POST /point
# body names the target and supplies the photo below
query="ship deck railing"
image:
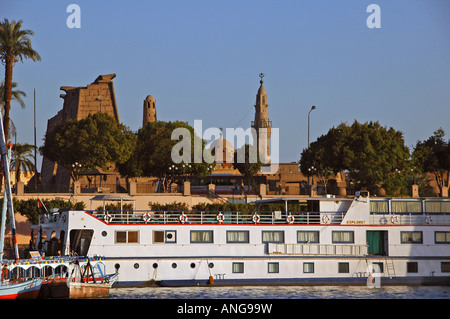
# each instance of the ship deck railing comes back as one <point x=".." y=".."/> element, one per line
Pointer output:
<point x="249" y="217"/>
<point x="216" y="217"/>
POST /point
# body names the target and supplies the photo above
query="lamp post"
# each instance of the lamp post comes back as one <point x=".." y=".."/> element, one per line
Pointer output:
<point x="312" y="108"/>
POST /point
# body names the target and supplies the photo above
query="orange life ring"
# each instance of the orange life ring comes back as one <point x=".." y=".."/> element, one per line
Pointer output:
<point x="220" y="218"/>
<point x="290" y="219"/>
<point x="183" y="218"/>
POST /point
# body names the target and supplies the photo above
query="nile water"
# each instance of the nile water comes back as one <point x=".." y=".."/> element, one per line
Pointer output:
<point x="284" y="292"/>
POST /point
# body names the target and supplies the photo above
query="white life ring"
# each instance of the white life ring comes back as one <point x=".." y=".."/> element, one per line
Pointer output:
<point x="256" y="219"/>
<point x="428" y="219"/>
<point x="290" y="219"/>
<point x="147" y="217"/>
<point x="107" y="218"/>
<point x="394" y="219"/>
<point x="326" y="219"/>
<point x="220" y="218"/>
<point x="183" y="218"/>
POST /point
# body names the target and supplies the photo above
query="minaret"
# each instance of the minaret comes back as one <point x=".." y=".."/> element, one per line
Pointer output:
<point x="149" y="111"/>
<point x="262" y="125"/>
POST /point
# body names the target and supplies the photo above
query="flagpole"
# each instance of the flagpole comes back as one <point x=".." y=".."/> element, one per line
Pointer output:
<point x="35" y="156"/>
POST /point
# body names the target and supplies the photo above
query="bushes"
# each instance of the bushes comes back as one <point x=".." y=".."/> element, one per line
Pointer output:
<point x="29" y="208"/>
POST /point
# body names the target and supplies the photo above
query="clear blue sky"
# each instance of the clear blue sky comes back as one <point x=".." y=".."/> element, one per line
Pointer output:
<point x="201" y="60"/>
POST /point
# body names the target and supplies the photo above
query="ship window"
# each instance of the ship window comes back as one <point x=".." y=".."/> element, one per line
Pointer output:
<point x="273" y="268"/>
<point x="442" y="237"/>
<point x="304" y="237"/>
<point x="237" y="236"/>
<point x="308" y="268"/>
<point x="167" y="236"/>
<point x="238" y="268"/>
<point x="127" y="237"/>
<point x="341" y="237"/>
<point x="379" y="207"/>
<point x="412" y="267"/>
<point x="273" y="236"/>
<point x="445" y="266"/>
<point x="411" y="237"/>
<point x="80" y="240"/>
<point x="343" y="268"/>
<point x="437" y="207"/>
<point x="199" y="236"/>
<point x="406" y="207"/>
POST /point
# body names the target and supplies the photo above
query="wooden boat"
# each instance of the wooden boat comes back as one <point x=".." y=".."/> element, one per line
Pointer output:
<point x="20" y="290"/>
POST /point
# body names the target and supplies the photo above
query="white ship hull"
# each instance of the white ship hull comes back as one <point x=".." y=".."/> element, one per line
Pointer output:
<point x="343" y="243"/>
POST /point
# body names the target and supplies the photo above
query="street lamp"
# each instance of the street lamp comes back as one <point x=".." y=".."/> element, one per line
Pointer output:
<point x="312" y="108"/>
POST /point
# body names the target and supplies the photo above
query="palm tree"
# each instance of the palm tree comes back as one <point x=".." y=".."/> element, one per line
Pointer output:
<point x="22" y="159"/>
<point x="15" y="45"/>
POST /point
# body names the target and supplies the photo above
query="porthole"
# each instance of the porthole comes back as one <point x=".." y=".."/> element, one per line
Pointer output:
<point x="104" y="233"/>
<point x="136" y="266"/>
<point x="211" y="265"/>
<point x="174" y="265"/>
<point x="192" y="265"/>
<point x="155" y="265"/>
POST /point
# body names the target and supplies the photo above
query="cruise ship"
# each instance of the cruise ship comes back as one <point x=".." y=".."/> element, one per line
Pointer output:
<point x="348" y="241"/>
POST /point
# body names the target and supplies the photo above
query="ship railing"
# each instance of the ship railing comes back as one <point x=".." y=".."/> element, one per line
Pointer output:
<point x="217" y="217"/>
<point x="410" y="219"/>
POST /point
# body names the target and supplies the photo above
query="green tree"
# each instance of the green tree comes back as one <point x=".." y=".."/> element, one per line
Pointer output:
<point x="15" y="45"/>
<point x="247" y="162"/>
<point x="152" y="156"/>
<point x="433" y="156"/>
<point x="94" y="141"/>
<point x="369" y="152"/>
<point x="22" y="159"/>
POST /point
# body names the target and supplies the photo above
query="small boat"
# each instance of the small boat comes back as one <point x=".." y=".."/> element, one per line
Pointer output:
<point x="20" y="290"/>
<point x="84" y="278"/>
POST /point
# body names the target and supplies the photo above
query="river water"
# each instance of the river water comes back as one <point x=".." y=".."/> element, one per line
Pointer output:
<point x="284" y="292"/>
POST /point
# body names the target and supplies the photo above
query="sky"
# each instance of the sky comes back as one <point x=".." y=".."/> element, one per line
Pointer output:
<point x="200" y="60"/>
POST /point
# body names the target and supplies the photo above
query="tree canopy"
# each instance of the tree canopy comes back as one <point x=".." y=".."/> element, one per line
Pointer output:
<point x="94" y="141"/>
<point x="433" y="155"/>
<point x="15" y="45"/>
<point x="156" y="148"/>
<point x="369" y="152"/>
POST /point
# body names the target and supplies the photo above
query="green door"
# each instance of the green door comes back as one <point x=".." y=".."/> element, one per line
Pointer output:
<point x="376" y="240"/>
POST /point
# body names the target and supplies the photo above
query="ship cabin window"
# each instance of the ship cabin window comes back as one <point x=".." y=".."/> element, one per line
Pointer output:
<point x="164" y="236"/>
<point x="307" y="237"/>
<point x="127" y="237"/>
<point x="343" y="237"/>
<point x="237" y="237"/>
<point x="80" y="240"/>
<point x="343" y="268"/>
<point x="238" y="268"/>
<point x="308" y="268"/>
<point x="442" y="237"/>
<point x="273" y="237"/>
<point x="437" y="207"/>
<point x="411" y="237"/>
<point x="412" y="267"/>
<point x="406" y="207"/>
<point x="445" y="266"/>
<point x="273" y="268"/>
<point x="379" y="207"/>
<point x="201" y="236"/>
